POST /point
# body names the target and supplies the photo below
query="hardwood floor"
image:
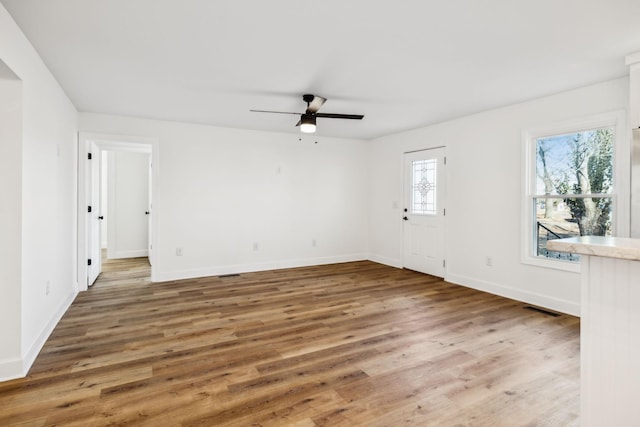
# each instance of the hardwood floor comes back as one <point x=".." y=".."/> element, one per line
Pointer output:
<point x="340" y="345"/>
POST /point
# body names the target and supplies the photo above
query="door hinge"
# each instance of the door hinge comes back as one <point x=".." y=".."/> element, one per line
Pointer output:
<point x="445" y="160"/>
<point x="444" y="212"/>
<point x="89" y="209"/>
<point x="89" y="156"/>
<point x="444" y="263"/>
<point x="89" y="261"/>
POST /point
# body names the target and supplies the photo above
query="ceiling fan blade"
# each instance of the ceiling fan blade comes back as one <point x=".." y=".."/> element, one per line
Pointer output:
<point x="317" y="102"/>
<point x="299" y="123"/>
<point x="340" y="116"/>
<point x="276" y="112"/>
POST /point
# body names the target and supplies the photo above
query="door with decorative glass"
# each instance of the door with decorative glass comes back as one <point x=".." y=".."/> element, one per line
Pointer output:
<point x="424" y="211"/>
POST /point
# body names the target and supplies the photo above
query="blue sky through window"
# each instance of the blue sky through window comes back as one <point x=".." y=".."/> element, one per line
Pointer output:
<point x="558" y="156"/>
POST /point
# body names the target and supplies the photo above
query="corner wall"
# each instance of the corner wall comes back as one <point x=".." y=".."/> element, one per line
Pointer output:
<point x="484" y="188"/>
<point x="46" y="219"/>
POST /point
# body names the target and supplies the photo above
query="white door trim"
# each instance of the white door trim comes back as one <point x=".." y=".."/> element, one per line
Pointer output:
<point x="117" y="143"/>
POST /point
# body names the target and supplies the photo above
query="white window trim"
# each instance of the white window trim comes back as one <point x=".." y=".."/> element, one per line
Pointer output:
<point x="621" y="189"/>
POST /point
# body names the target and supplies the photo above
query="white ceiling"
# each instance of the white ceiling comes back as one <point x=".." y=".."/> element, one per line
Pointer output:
<point x="403" y="64"/>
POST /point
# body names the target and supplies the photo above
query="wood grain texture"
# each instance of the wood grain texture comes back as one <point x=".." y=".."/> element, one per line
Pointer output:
<point x="339" y="345"/>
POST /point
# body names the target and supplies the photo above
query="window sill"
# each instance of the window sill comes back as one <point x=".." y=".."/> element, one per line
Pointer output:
<point x="570" y="266"/>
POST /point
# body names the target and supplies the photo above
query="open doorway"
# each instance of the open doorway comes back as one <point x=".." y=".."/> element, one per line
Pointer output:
<point x="125" y="186"/>
<point x="120" y="221"/>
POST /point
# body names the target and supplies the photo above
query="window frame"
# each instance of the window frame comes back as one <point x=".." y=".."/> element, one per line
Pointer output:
<point x="620" y="193"/>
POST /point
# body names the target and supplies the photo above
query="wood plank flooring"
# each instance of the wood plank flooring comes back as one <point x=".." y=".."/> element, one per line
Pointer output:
<point x="354" y="344"/>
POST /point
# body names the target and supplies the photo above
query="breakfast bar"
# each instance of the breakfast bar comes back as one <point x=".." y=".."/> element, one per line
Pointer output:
<point x="609" y="328"/>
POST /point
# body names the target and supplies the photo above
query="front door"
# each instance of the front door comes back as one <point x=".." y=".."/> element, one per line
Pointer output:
<point x="424" y="211"/>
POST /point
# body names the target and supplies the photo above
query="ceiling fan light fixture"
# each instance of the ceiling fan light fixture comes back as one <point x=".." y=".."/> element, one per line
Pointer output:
<point x="307" y="120"/>
<point x="307" y="123"/>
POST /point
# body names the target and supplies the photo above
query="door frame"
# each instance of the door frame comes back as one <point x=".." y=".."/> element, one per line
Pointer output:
<point x="404" y="198"/>
<point x="115" y="143"/>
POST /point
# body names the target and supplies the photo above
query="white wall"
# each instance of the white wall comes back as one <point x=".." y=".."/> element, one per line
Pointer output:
<point x="220" y="191"/>
<point x="128" y="199"/>
<point x="484" y="179"/>
<point x="10" y="215"/>
<point x="47" y="189"/>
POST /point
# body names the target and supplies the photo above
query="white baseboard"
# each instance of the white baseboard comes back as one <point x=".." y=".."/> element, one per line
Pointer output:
<point x="391" y="262"/>
<point x="563" y="306"/>
<point x="11" y="369"/>
<point x="19" y="368"/>
<point x="247" y="268"/>
<point x="130" y="254"/>
<point x="33" y="352"/>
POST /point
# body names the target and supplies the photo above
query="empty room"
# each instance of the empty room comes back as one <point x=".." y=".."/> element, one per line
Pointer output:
<point x="296" y="213"/>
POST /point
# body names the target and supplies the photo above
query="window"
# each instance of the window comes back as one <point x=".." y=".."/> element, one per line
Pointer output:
<point x="423" y="195"/>
<point x="572" y="187"/>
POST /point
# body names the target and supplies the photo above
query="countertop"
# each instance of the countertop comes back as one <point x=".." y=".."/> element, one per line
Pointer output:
<point x="610" y="247"/>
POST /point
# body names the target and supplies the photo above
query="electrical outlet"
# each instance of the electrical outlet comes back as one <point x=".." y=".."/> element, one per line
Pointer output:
<point x="47" y="288"/>
<point x="178" y="251"/>
<point x="255" y="246"/>
<point x="488" y="261"/>
<point x="313" y="243"/>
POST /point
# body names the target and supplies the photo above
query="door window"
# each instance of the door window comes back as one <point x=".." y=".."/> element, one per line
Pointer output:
<point x="423" y="197"/>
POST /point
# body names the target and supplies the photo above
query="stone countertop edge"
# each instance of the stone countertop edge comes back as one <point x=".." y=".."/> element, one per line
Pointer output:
<point x="610" y="247"/>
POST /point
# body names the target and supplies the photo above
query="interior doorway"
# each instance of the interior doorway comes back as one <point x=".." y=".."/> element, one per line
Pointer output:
<point x="424" y="211"/>
<point x="125" y="204"/>
<point x="127" y="218"/>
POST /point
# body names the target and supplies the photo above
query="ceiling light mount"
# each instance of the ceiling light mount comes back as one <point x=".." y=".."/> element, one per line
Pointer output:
<point x="308" y="98"/>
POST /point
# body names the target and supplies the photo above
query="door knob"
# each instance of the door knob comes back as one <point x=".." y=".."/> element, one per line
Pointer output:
<point x="146" y="212"/>
<point x="405" y="218"/>
<point x="100" y="217"/>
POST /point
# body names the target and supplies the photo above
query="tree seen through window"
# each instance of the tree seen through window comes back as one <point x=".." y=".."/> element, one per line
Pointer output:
<point x="573" y="187"/>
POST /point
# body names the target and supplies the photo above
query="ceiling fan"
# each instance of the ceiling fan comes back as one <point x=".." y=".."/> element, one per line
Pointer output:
<point x="307" y="120"/>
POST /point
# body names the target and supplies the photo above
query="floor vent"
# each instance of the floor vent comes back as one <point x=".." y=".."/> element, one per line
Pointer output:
<point x="224" y="276"/>
<point x="542" y="310"/>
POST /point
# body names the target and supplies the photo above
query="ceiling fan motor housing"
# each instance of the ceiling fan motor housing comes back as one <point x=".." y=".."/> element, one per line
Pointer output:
<point x="307" y="123"/>
<point x="308" y="118"/>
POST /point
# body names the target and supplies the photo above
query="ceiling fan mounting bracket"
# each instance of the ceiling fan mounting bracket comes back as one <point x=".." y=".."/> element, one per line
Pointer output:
<point x="308" y="98"/>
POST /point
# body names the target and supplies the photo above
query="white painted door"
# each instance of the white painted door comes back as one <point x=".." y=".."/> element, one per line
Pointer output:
<point x="94" y="242"/>
<point x="149" y="212"/>
<point x="424" y="211"/>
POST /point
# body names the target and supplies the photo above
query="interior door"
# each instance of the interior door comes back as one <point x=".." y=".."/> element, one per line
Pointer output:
<point x="424" y="211"/>
<point x="149" y="212"/>
<point x="95" y="215"/>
